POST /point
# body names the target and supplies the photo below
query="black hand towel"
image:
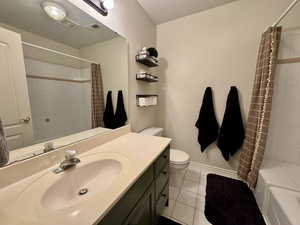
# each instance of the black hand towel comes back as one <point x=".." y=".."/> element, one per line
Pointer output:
<point x="232" y="131"/>
<point x="207" y="123"/>
<point x="120" y="116"/>
<point x="109" y="116"/>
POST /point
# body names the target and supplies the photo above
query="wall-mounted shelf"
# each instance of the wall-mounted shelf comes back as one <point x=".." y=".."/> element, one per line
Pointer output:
<point x="147" y="60"/>
<point x="146" y="100"/>
<point x="147" y="77"/>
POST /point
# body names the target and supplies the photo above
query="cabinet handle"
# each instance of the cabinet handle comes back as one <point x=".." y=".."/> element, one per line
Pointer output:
<point x="165" y="156"/>
<point x="165" y="172"/>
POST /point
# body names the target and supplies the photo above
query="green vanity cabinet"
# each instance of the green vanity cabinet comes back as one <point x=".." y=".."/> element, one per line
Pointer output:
<point x="144" y="202"/>
<point x="144" y="212"/>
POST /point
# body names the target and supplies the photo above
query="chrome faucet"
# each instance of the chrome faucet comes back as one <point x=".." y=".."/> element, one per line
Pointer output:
<point x="69" y="162"/>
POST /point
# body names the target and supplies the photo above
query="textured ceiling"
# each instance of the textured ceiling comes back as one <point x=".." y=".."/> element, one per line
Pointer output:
<point x="162" y="11"/>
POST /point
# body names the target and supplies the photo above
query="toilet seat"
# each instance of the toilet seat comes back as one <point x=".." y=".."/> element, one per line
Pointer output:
<point x="178" y="157"/>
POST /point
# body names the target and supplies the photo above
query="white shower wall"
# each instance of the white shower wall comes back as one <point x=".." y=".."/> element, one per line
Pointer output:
<point x="283" y="140"/>
<point x="66" y="105"/>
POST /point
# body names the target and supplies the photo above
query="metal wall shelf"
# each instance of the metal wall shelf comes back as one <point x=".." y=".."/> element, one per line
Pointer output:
<point x="147" y="60"/>
<point x="146" y="100"/>
<point x="147" y="77"/>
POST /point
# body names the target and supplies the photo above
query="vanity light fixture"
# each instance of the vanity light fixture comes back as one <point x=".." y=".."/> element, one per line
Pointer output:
<point x="54" y="10"/>
<point x="102" y="6"/>
<point x="108" y="4"/>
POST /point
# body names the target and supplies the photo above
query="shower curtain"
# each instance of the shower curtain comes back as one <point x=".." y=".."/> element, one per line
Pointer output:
<point x="97" y="96"/>
<point x="4" y="153"/>
<point x="260" y="108"/>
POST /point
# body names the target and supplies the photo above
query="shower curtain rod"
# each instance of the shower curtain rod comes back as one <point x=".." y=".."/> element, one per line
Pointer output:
<point x="285" y="13"/>
<point x="58" y="52"/>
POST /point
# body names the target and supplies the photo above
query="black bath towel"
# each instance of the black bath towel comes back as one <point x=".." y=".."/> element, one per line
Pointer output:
<point x="109" y="116"/>
<point x="232" y="131"/>
<point x="207" y="124"/>
<point x="120" y="116"/>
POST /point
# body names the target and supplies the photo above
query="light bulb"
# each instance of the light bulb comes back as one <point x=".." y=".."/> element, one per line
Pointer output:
<point x="108" y="4"/>
<point x="54" y="10"/>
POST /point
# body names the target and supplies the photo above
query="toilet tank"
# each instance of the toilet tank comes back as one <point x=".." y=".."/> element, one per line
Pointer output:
<point x="153" y="131"/>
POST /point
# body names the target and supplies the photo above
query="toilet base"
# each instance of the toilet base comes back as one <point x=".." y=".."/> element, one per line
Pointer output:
<point x="179" y="166"/>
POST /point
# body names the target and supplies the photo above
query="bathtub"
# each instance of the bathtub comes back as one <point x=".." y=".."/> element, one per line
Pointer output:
<point x="284" y="208"/>
<point x="278" y="193"/>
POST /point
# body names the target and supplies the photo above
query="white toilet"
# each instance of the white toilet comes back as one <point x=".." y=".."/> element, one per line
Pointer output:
<point x="178" y="159"/>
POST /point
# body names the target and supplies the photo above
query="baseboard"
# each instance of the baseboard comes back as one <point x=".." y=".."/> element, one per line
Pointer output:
<point x="218" y="170"/>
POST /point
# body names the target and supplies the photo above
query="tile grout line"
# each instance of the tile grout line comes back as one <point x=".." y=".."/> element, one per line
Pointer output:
<point x="175" y="202"/>
<point x="194" y="208"/>
<point x="201" y="184"/>
<point x="195" y="211"/>
<point x="179" y="190"/>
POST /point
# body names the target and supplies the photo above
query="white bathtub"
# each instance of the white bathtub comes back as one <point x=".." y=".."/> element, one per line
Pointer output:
<point x="284" y="207"/>
<point x="277" y="190"/>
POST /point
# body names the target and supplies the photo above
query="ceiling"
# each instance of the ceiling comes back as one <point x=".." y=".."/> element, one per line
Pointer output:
<point x="162" y="11"/>
<point x="29" y="16"/>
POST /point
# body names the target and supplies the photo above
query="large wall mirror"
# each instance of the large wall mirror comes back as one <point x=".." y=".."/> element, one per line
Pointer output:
<point x="57" y="67"/>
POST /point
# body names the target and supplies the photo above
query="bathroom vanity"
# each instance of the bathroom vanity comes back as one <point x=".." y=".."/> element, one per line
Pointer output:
<point x="146" y="199"/>
<point x="122" y="178"/>
<point x="65" y="168"/>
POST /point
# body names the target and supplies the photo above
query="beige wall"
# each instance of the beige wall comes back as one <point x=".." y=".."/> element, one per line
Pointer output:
<point x="216" y="48"/>
<point x="130" y="20"/>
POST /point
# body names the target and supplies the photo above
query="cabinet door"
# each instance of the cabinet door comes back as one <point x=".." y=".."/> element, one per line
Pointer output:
<point x="14" y="100"/>
<point x="143" y="213"/>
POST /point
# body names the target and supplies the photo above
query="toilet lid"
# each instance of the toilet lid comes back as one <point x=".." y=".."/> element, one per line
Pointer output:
<point x="178" y="157"/>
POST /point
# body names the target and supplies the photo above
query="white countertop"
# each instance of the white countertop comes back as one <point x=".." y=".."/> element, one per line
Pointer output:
<point x="139" y="150"/>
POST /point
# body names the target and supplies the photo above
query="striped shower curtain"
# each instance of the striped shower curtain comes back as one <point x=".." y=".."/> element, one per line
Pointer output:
<point x="4" y="153"/>
<point x="97" y="96"/>
<point x="260" y="108"/>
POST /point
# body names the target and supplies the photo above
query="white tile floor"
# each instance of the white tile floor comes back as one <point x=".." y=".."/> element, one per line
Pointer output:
<point x="187" y="193"/>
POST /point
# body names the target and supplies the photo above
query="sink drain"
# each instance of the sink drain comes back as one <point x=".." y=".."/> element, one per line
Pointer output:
<point x="83" y="191"/>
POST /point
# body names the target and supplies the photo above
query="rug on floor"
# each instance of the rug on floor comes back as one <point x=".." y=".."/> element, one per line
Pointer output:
<point x="166" y="221"/>
<point x="230" y="202"/>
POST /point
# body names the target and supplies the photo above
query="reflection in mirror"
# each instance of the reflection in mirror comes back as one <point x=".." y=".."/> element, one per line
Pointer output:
<point x="55" y="75"/>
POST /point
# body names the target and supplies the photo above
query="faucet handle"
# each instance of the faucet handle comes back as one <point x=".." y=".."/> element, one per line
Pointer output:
<point x="70" y="154"/>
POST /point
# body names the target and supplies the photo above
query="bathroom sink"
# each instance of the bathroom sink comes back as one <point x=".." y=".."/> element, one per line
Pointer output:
<point x="96" y="174"/>
<point x="79" y="183"/>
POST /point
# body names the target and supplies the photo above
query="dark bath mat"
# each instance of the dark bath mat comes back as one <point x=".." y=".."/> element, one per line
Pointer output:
<point x="166" y="221"/>
<point x="230" y="202"/>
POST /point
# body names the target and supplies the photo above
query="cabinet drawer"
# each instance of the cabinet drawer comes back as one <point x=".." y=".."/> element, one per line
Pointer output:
<point x="161" y="202"/>
<point x="161" y="180"/>
<point x="124" y="207"/>
<point x="162" y="160"/>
